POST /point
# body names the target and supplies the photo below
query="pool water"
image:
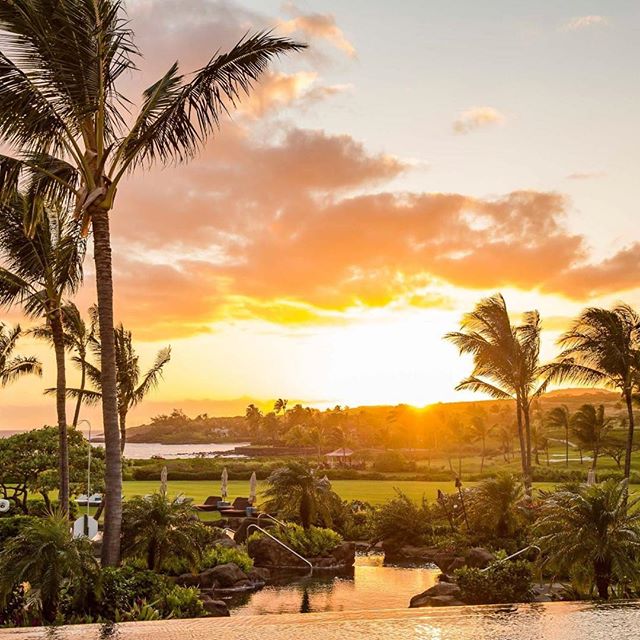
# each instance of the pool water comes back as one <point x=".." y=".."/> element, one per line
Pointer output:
<point x="369" y="586"/>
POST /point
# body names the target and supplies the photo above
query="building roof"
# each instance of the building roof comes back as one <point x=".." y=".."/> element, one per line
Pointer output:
<point x="339" y="453"/>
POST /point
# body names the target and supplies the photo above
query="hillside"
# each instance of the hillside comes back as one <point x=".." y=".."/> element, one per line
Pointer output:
<point x="178" y="428"/>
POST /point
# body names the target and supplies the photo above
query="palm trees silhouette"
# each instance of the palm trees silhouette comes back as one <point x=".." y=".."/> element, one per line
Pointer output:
<point x="39" y="269"/>
<point x="560" y="418"/>
<point x="590" y="427"/>
<point x="13" y="367"/>
<point x="62" y="113"/>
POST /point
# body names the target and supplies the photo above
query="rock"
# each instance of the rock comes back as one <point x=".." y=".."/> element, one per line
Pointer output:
<point x="442" y="601"/>
<point x="479" y="558"/>
<point x="259" y="575"/>
<point x="224" y="575"/>
<point x="268" y="553"/>
<point x="444" y="559"/>
<point x="241" y="532"/>
<point x="188" y="580"/>
<point x="408" y="553"/>
<point x="442" y="589"/>
<point x="344" y="555"/>
<point x="215" y="608"/>
<point x="226" y="542"/>
<point x="457" y="563"/>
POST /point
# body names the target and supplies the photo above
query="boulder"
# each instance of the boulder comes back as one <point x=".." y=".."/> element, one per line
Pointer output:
<point x="408" y="553"/>
<point x="429" y="597"/>
<point x="215" y="608"/>
<point x="344" y="555"/>
<point x="442" y="601"/>
<point x="457" y="563"/>
<point x="479" y="558"/>
<point x="259" y="575"/>
<point x="224" y="575"/>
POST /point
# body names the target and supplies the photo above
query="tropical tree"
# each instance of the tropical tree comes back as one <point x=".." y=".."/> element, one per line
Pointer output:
<point x="280" y="405"/>
<point x="295" y="489"/>
<point x="590" y="427"/>
<point x="494" y="505"/>
<point x="480" y="430"/>
<point x="601" y="348"/>
<point x="131" y="386"/>
<point x="78" y="336"/>
<point x="45" y="555"/>
<point x="591" y="532"/>
<point x="540" y="440"/>
<point x="560" y="418"/>
<point x="13" y="367"/>
<point x="62" y="113"/>
<point x="40" y="268"/>
<point x="158" y="528"/>
<point x="505" y="362"/>
<point x="254" y="417"/>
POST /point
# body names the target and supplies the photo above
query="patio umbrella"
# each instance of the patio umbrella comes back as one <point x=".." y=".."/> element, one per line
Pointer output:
<point x="223" y="485"/>
<point x="253" y="488"/>
<point x="591" y="477"/>
<point x="163" y="480"/>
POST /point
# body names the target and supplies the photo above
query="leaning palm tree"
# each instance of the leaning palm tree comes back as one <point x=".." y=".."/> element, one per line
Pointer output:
<point x="602" y="348"/>
<point x="131" y="385"/>
<point x="39" y="270"/>
<point x="560" y="418"/>
<point x="591" y="529"/>
<point x="590" y="427"/>
<point x="73" y="138"/>
<point x="505" y="362"/>
<point x="13" y="367"/>
<point x="295" y="489"/>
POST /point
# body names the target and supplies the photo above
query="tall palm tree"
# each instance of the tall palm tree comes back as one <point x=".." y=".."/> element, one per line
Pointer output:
<point x="12" y="366"/>
<point x="505" y="362"/>
<point x="591" y="528"/>
<point x="590" y="427"/>
<point x="62" y="112"/>
<point x="296" y="489"/>
<point x="131" y="386"/>
<point x="39" y="270"/>
<point x="560" y="418"/>
<point x="78" y="335"/>
<point x="601" y="348"/>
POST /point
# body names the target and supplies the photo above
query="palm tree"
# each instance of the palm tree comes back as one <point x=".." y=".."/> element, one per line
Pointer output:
<point x="157" y="528"/>
<point x="296" y="489"/>
<point x="494" y="503"/>
<point x="480" y="430"/>
<point x="39" y="270"/>
<point x="280" y="405"/>
<point x="62" y="112"/>
<point x="601" y="348"/>
<point x="78" y="336"/>
<point x="505" y="362"/>
<point x="131" y="386"/>
<point x="591" y="528"/>
<point x="46" y="555"/>
<point x="590" y="427"/>
<point x="560" y="418"/>
<point x="14" y="367"/>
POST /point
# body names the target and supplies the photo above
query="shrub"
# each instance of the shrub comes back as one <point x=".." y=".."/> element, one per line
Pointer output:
<point x="39" y="508"/>
<point x="390" y="461"/>
<point x="212" y="557"/>
<point x="310" y="543"/>
<point x="11" y="526"/>
<point x="353" y="520"/>
<point x="401" y="521"/>
<point x="501" y="583"/>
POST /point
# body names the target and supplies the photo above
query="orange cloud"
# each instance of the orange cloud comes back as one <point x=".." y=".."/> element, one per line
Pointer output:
<point x="316" y="25"/>
<point x="477" y="118"/>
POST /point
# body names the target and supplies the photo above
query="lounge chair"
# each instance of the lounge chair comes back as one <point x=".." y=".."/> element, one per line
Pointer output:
<point x="210" y="504"/>
<point x="239" y="504"/>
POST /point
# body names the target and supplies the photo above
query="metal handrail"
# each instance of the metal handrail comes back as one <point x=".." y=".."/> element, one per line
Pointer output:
<point x="282" y="544"/>
<point x="268" y="515"/>
<point x="513" y="555"/>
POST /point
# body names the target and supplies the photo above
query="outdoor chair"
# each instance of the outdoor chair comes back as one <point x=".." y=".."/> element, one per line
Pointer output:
<point x="210" y="504"/>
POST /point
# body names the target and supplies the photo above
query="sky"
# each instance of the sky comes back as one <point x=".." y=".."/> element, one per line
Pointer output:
<point x="416" y="158"/>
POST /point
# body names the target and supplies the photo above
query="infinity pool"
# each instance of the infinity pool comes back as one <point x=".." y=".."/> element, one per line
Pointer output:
<point x="555" y="621"/>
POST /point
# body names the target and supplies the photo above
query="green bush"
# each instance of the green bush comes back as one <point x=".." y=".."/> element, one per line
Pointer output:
<point x="10" y="526"/>
<point x="390" y="461"/>
<point x="310" y="543"/>
<point x="212" y="557"/>
<point x="501" y="583"/>
<point x="39" y="509"/>
<point x="401" y="521"/>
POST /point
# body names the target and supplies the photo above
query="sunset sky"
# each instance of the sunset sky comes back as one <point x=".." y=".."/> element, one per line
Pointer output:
<point x="418" y="156"/>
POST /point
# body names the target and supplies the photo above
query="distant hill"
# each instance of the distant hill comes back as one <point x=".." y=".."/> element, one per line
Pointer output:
<point x="178" y="428"/>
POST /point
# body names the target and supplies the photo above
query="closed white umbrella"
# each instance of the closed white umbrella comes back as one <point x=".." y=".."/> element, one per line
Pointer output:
<point x="591" y="477"/>
<point x="223" y="485"/>
<point x="164" y="474"/>
<point x="253" y="489"/>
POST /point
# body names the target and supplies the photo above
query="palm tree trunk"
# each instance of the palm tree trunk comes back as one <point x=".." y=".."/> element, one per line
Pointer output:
<point x="627" y="458"/>
<point x="523" y="451"/>
<point x="57" y="334"/>
<point x="527" y="432"/>
<point x="113" y="458"/>
<point x="83" y="384"/>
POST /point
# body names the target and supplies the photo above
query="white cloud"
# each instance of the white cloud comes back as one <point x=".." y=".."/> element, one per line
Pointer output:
<point x="585" y="22"/>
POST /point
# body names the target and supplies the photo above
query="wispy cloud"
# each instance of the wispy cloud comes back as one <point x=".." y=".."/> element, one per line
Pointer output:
<point x="318" y="25"/>
<point x="586" y="175"/>
<point x="477" y="118"/>
<point x="585" y="22"/>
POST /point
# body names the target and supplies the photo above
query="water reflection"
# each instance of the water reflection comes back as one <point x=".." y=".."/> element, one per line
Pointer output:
<point x="369" y="585"/>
